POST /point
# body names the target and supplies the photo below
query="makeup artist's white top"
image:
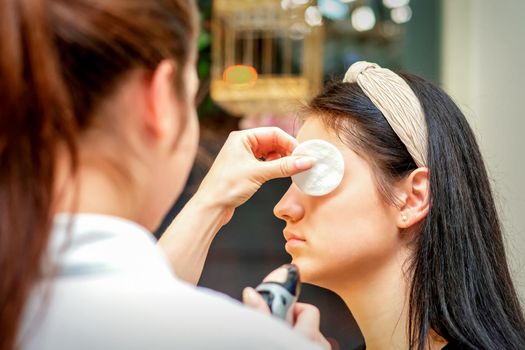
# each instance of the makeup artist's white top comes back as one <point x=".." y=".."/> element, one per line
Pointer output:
<point x="114" y="289"/>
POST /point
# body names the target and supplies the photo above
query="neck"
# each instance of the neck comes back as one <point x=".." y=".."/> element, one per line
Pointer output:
<point x="99" y="186"/>
<point x="379" y="303"/>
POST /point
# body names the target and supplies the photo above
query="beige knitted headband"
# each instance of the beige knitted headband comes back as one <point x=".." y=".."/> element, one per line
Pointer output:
<point x="398" y="103"/>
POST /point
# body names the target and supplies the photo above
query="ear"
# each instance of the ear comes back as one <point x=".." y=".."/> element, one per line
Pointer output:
<point x="414" y="192"/>
<point x="161" y="119"/>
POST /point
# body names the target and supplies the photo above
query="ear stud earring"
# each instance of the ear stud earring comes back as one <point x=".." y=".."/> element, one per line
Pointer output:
<point x="404" y="218"/>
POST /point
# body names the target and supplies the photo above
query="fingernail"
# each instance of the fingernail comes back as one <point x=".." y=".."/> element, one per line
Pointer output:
<point x="249" y="297"/>
<point x="304" y="162"/>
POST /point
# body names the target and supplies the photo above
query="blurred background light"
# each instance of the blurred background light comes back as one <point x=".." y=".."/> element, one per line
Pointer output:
<point x="300" y="2"/>
<point x="401" y="15"/>
<point x="333" y="9"/>
<point x="363" y="18"/>
<point x="285" y="4"/>
<point x="290" y="4"/>
<point x="313" y="16"/>
<point x="395" y="3"/>
<point x="298" y="31"/>
<point x="240" y="75"/>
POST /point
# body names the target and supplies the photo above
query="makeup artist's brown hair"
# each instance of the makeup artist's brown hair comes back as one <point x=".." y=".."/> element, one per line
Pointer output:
<point x="58" y="60"/>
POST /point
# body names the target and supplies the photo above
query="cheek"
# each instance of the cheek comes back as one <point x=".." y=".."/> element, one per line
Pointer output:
<point x="190" y="139"/>
<point x="350" y="233"/>
<point x="170" y="182"/>
<point x="170" y="169"/>
<point x="184" y="154"/>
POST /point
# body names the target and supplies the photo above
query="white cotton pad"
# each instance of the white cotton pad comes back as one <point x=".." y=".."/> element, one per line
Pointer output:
<point x="326" y="174"/>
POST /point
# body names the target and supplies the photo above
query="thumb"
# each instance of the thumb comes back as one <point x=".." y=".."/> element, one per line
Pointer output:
<point x="286" y="166"/>
<point x="254" y="300"/>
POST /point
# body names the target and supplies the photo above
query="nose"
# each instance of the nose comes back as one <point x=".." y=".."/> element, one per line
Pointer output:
<point x="290" y="207"/>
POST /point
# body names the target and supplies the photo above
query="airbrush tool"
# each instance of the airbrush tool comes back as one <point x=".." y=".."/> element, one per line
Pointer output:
<point x="280" y="290"/>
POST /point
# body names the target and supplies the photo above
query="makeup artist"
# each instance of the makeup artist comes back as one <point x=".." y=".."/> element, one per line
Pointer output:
<point x="98" y="133"/>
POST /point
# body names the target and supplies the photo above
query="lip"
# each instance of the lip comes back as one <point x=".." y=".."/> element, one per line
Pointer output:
<point x="289" y="236"/>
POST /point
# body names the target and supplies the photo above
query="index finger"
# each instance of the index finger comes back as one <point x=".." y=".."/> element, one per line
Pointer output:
<point x="267" y="140"/>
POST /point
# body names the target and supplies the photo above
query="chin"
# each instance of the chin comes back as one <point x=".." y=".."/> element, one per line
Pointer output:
<point x="318" y="274"/>
<point x="309" y="274"/>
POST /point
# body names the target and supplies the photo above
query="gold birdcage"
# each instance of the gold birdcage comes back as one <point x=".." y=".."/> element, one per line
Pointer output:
<point x="266" y="54"/>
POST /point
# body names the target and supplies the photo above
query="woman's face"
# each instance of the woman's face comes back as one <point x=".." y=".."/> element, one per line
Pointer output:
<point x="343" y="235"/>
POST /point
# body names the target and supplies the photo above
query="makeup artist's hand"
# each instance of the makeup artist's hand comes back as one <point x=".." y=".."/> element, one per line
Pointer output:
<point x="306" y="317"/>
<point x="237" y="173"/>
<point x="248" y="159"/>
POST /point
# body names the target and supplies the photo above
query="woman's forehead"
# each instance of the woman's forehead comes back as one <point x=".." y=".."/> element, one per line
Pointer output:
<point x="314" y="128"/>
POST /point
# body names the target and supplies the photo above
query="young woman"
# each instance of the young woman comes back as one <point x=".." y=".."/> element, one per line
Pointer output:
<point x="97" y="136"/>
<point x="410" y="240"/>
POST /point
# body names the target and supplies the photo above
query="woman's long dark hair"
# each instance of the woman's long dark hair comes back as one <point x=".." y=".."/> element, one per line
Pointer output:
<point x="58" y="60"/>
<point x="461" y="287"/>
